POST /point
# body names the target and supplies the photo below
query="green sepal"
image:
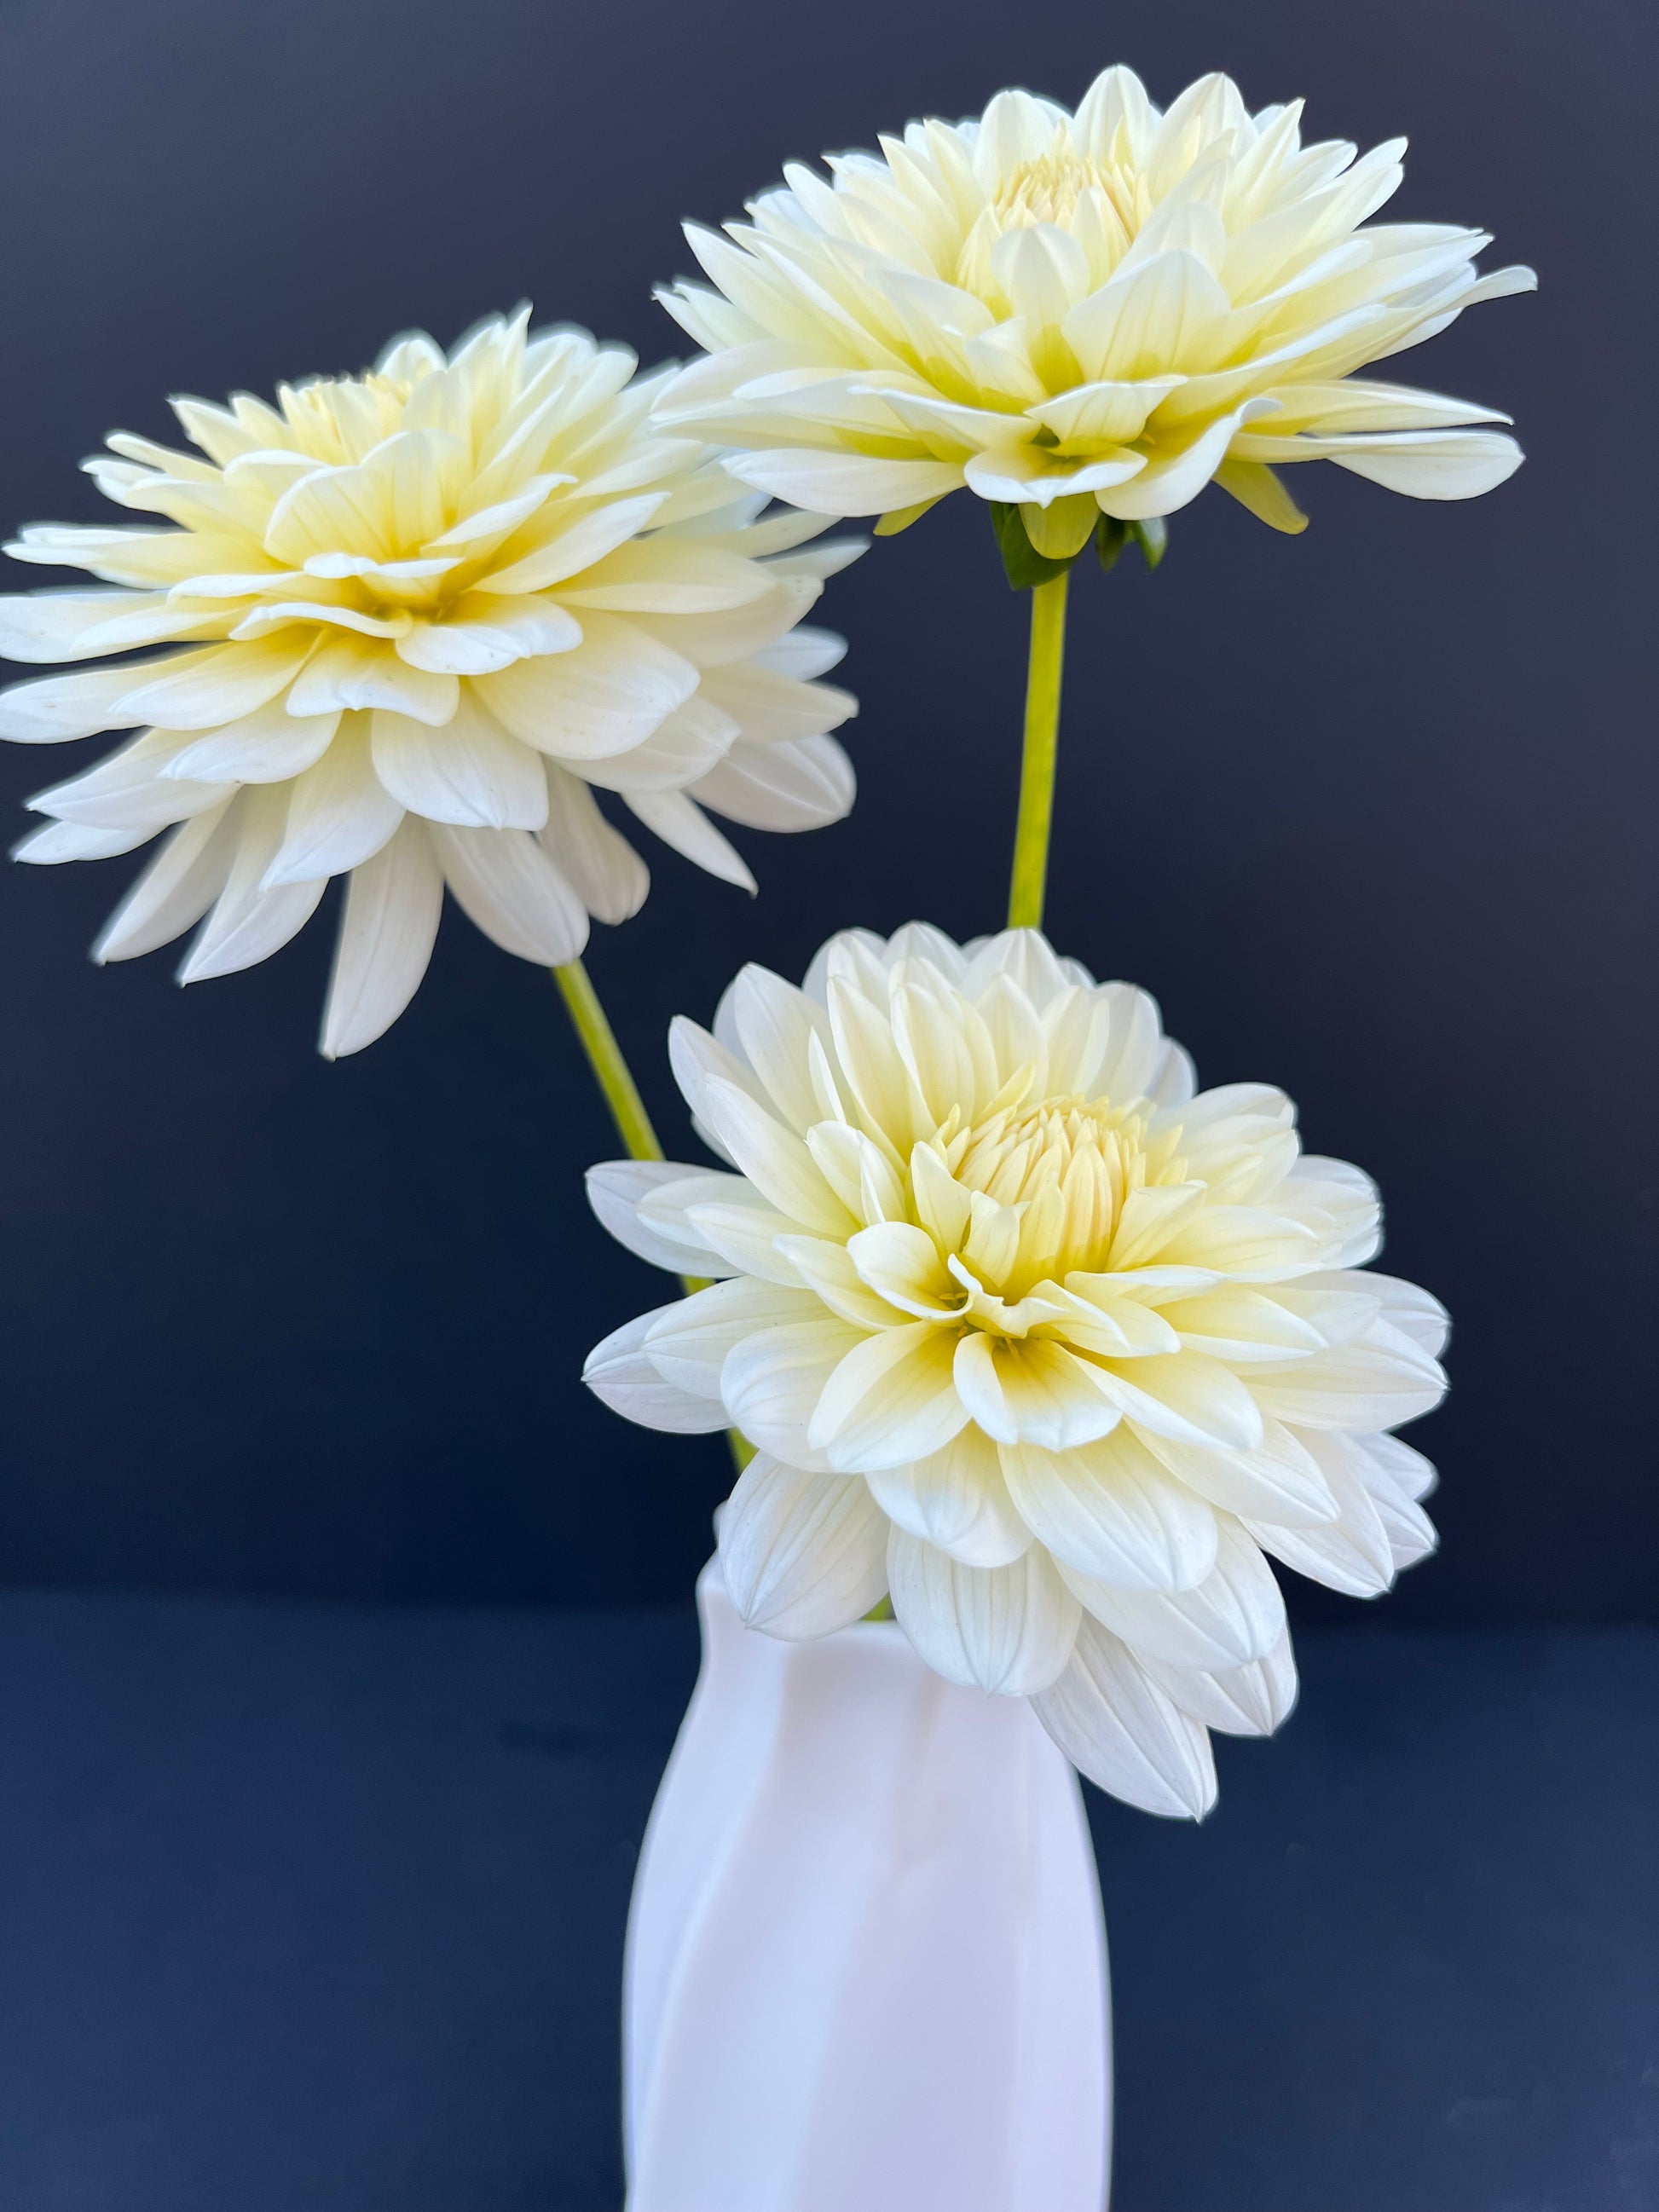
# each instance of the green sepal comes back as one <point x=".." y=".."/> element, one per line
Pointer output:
<point x="1026" y="567"/>
<point x="1153" y="537"/>
<point x="1111" y="536"/>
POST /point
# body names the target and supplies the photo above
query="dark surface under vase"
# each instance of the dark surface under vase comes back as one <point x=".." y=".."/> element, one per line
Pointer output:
<point x="306" y="1908"/>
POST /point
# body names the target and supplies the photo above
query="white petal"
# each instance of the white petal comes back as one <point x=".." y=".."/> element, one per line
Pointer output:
<point x="803" y="652"/>
<point x="363" y="673"/>
<point x="1103" y="413"/>
<point x="1032" y="1392"/>
<point x="801" y="784"/>
<point x="65" y="625"/>
<point x="1394" y="1465"/>
<point x="690" y="1343"/>
<point x="768" y="706"/>
<point x="686" y="742"/>
<point x="1029" y="475"/>
<point x="679" y="822"/>
<point x="722" y="1214"/>
<point x="1010" y="1630"/>
<point x="1414" y="1312"/>
<point x="773" y="1157"/>
<point x="1248" y="1700"/>
<point x="507" y="887"/>
<point x="717" y="640"/>
<point x="176" y="890"/>
<point x="956" y="1499"/>
<point x="1429" y="464"/>
<point x="1352" y="1554"/>
<point x="1356" y="404"/>
<point x="1396" y="1477"/>
<point x="1172" y="479"/>
<point x="387" y="930"/>
<point x="339" y="812"/>
<point x="697" y="1059"/>
<point x="249" y="922"/>
<point x="801" y="1554"/>
<point x="772" y="1383"/>
<point x="615" y="1188"/>
<point x="588" y="539"/>
<point x="1412" y="1535"/>
<point x="1109" y="1509"/>
<point x="668" y="575"/>
<point x="1235" y="1615"/>
<point x="471" y="772"/>
<point x="891" y="1400"/>
<point x="1278" y="1479"/>
<point x="131" y="789"/>
<point x="1023" y="955"/>
<point x="501" y="518"/>
<point x="484" y="633"/>
<point x="845" y="483"/>
<point x="604" y="871"/>
<point x="606" y="696"/>
<point x="54" y="842"/>
<point x="618" y="1371"/>
<point x="1191" y="1398"/>
<point x="819" y="562"/>
<point x="772" y="1026"/>
<point x="1160" y="317"/>
<point x="270" y="745"/>
<point x="1127" y="1734"/>
<point x="746" y="1234"/>
<point x="59" y="708"/>
<point x="1375" y="1382"/>
<point x="203" y="691"/>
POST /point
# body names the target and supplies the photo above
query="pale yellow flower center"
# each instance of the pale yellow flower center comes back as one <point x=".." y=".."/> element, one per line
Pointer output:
<point x="1048" y="189"/>
<point x="1013" y="1155"/>
<point x="1100" y="203"/>
<point x="1063" y="1170"/>
<point x="336" y="419"/>
<point x="340" y="421"/>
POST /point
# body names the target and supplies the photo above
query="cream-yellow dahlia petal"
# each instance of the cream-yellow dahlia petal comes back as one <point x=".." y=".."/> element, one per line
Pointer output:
<point x="1082" y="313"/>
<point x="416" y="619"/>
<point x="1031" y="1333"/>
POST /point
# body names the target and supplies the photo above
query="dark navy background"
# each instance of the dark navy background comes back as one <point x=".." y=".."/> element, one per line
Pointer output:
<point x="319" y="1909"/>
<point x="320" y="1905"/>
<point x="1371" y="811"/>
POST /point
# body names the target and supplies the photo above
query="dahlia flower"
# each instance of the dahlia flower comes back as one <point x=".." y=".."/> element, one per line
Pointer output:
<point x="1082" y="315"/>
<point x="1031" y="1337"/>
<point x="424" y="614"/>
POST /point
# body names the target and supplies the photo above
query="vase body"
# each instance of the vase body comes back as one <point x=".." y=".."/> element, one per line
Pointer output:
<point x="865" y="1964"/>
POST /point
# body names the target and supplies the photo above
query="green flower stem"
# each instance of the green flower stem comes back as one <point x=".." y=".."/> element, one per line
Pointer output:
<point x="605" y="1056"/>
<point x="621" y="1095"/>
<point x="1037" y="774"/>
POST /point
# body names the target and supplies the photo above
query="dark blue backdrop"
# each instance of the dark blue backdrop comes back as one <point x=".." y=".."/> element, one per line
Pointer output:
<point x="1371" y="811"/>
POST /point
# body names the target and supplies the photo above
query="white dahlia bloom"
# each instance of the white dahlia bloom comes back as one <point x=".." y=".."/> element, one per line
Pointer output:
<point x="425" y="613"/>
<point x="1031" y="1338"/>
<point x="1085" y="314"/>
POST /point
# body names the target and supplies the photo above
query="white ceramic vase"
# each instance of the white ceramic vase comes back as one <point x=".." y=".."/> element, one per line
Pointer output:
<point x="866" y="1964"/>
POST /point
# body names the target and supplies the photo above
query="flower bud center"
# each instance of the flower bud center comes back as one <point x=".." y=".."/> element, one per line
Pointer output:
<point x="1013" y="1155"/>
<point x="1065" y="1169"/>
<point x="1046" y="191"/>
<point x="1053" y="185"/>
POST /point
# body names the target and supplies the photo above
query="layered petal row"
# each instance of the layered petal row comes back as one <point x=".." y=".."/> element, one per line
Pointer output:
<point x="1032" y="1335"/>
<point x="414" y="621"/>
<point x="1084" y="313"/>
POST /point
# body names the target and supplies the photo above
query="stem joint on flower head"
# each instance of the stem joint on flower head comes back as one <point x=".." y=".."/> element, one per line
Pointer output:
<point x="1028" y="562"/>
